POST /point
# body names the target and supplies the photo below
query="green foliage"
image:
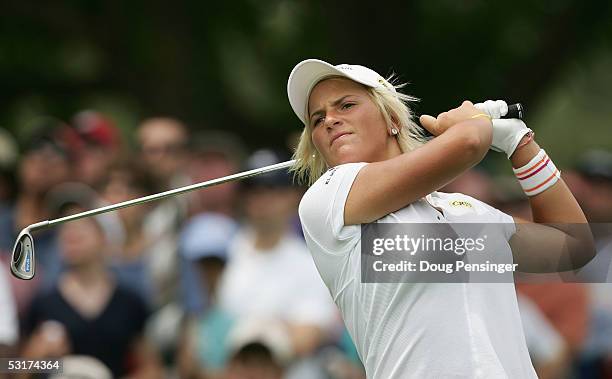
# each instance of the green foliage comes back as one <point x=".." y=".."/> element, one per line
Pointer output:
<point x="225" y="64"/>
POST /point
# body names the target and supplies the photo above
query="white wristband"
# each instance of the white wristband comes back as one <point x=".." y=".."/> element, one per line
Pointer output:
<point x="538" y="175"/>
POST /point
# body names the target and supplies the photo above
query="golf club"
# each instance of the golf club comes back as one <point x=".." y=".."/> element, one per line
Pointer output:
<point x="23" y="263"/>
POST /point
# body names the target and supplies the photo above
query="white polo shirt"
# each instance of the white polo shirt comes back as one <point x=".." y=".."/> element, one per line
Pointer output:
<point x="415" y="330"/>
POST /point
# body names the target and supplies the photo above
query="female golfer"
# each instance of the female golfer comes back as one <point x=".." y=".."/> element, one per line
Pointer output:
<point x="366" y="161"/>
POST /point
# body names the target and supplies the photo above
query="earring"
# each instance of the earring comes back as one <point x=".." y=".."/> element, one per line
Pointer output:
<point x="394" y="131"/>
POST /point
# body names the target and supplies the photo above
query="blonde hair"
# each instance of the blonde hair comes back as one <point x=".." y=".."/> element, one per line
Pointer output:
<point x="393" y="106"/>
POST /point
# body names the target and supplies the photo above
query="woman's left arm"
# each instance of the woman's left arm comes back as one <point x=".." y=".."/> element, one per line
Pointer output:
<point x="559" y="238"/>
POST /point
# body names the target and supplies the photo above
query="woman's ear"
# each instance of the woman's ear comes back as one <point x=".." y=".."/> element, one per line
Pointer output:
<point x="394" y="127"/>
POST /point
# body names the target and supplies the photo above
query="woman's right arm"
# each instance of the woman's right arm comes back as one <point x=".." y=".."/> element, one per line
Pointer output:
<point x="383" y="187"/>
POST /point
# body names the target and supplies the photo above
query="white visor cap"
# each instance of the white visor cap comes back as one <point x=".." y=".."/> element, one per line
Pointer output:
<point x="306" y="74"/>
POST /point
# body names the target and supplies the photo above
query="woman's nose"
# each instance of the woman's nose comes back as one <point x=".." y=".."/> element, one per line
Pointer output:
<point x="331" y="121"/>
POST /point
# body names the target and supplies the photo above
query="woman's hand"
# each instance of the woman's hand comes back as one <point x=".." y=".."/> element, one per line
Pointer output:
<point x="445" y="120"/>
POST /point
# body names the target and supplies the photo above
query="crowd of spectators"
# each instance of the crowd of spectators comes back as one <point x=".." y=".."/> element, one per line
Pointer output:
<point x="218" y="283"/>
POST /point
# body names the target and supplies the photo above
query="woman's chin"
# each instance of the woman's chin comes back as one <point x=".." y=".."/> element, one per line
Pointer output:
<point x="348" y="154"/>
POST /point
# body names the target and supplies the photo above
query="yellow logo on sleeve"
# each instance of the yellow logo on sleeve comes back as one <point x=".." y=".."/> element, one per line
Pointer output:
<point x="460" y="203"/>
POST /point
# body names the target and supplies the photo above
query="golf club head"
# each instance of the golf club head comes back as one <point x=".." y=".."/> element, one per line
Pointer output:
<point x="22" y="261"/>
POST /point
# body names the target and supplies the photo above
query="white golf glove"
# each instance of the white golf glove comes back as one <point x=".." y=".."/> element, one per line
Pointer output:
<point x="507" y="132"/>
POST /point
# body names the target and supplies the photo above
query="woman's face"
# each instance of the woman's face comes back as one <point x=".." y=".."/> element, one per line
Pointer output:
<point x="81" y="242"/>
<point x="346" y="125"/>
<point x="42" y="169"/>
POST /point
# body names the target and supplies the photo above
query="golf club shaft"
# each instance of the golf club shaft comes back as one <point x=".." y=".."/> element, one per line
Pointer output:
<point x="162" y="195"/>
<point x="514" y="110"/>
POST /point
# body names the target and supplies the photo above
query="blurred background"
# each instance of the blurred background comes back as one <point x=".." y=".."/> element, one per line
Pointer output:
<point x="104" y="101"/>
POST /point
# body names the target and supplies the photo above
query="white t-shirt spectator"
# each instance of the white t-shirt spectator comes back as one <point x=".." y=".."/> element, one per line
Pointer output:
<point x="8" y="312"/>
<point x="281" y="283"/>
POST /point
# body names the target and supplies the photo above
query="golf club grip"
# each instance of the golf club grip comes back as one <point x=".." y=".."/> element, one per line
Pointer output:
<point x="514" y="111"/>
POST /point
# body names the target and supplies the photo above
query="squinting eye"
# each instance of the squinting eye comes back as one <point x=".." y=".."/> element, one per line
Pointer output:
<point x="347" y="105"/>
<point x="317" y="121"/>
